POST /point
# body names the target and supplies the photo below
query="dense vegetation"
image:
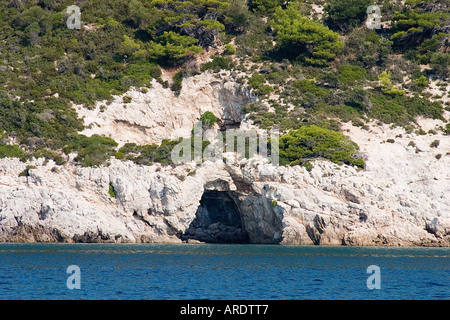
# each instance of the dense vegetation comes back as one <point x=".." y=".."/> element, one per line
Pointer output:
<point x="312" y="142"/>
<point x="312" y="70"/>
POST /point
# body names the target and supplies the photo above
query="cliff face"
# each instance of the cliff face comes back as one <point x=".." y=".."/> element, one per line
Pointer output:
<point x="401" y="198"/>
<point x="329" y="205"/>
<point x="160" y="114"/>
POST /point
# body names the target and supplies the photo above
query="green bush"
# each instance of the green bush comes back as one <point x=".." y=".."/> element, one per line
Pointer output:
<point x="149" y="154"/>
<point x="435" y="144"/>
<point x="366" y="48"/>
<point x="264" y="90"/>
<point x="208" y="119"/>
<point x="401" y="109"/>
<point x="218" y="63"/>
<point x="156" y="72"/>
<point x="256" y="81"/>
<point x="447" y="129"/>
<point x="111" y="191"/>
<point x="92" y="151"/>
<point x="440" y="63"/>
<point x="387" y="86"/>
<point x="229" y="49"/>
<point x="26" y="172"/>
<point x="305" y="39"/>
<point x="11" y="151"/>
<point x="313" y="142"/>
<point x="350" y="74"/>
<point x="308" y="86"/>
<point x="50" y="155"/>
<point x="264" y="5"/>
<point x="308" y="166"/>
<point x="346" y="14"/>
<point x="237" y="16"/>
<point x="177" y="82"/>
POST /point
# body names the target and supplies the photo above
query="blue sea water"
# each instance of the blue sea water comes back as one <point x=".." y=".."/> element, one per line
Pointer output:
<point x="203" y="271"/>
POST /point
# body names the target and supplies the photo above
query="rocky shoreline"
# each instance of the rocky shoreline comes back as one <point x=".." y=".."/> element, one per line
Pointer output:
<point x="330" y="205"/>
<point x="401" y="198"/>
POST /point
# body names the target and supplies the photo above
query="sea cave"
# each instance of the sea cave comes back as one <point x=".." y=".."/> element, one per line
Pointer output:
<point x="218" y="220"/>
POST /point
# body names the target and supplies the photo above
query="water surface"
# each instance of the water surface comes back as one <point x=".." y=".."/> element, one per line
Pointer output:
<point x="170" y="271"/>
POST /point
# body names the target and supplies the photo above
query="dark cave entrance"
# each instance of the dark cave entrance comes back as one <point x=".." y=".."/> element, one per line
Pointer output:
<point x="217" y="220"/>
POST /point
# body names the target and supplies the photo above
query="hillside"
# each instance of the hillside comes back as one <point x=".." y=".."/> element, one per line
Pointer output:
<point x="85" y="108"/>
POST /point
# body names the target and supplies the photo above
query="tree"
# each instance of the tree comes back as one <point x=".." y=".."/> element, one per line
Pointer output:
<point x="419" y="21"/>
<point x="387" y="86"/>
<point x="237" y="15"/>
<point x="302" y="38"/>
<point x="200" y="19"/>
<point x="173" y="49"/>
<point x="265" y="5"/>
<point x="32" y="32"/>
<point x="367" y="48"/>
<point x="344" y="15"/>
<point x="440" y="63"/>
<point x="137" y="13"/>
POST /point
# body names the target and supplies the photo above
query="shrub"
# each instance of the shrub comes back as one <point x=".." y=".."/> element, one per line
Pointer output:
<point x="219" y="63"/>
<point x="26" y="172"/>
<point x="440" y="63"/>
<point x="156" y="72"/>
<point x="264" y="5"/>
<point x="149" y="154"/>
<point x="50" y="155"/>
<point x="308" y="86"/>
<point x="349" y="74"/>
<point x="111" y="191"/>
<point x="11" y="151"/>
<point x="312" y="142"/>
<point x="308" y="166"/>
<point x="264" y="90"/>
<point x="177" y="82"/>
<point x="237" y="15"/>
<point x="229" y="49"/>
<point x="422" y="81"/>
<point x="435" y="144"/>
<point x="256" y="81"/>
<point x="208" y="119"/>
<point x="92" y="151"/>
<point x="447" y="129"/>
<point x="346" y="14"/>
<point x="387" y="86"/>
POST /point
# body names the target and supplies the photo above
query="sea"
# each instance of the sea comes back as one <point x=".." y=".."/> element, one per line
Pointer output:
<point x="221" y="272"/>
